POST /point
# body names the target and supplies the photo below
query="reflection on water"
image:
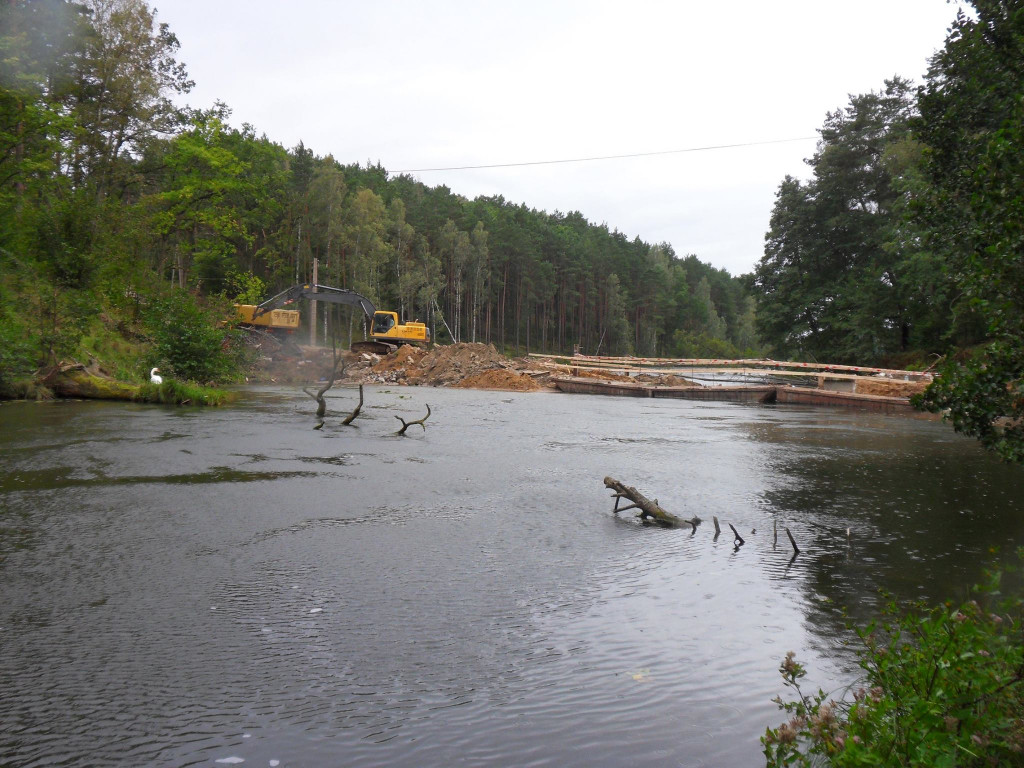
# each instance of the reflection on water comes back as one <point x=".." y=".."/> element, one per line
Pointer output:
<point x="185" y="586"/>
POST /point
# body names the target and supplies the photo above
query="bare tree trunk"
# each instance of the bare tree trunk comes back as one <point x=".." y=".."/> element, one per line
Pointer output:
<point x="321" y="407"/>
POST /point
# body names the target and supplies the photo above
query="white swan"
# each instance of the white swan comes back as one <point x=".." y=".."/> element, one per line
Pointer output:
<point x="154" y="378"/>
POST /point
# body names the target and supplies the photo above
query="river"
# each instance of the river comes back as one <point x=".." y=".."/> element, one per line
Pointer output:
<point x="185" y="586"/>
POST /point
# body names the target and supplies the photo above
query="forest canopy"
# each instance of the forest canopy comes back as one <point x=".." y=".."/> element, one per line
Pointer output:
<point x="112" y="196"/>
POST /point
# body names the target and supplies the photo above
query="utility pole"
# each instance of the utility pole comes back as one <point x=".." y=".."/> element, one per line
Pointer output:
<point x="312" y="317"/>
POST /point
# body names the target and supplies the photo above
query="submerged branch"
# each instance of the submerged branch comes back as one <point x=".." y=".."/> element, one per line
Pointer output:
<point x="406" y="425"/>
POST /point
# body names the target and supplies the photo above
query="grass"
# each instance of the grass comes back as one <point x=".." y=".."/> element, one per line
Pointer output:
<point x="182" y="393"/>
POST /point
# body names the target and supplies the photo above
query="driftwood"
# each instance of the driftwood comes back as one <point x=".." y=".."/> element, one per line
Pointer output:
<point x="407" y="424"/>
<point x="739" y="542"/>
<point x="796" y="549"/>
<point x="652" y="510"/>
<point x="352" y="416"/>
<point x="649" y="510"/>
<point x="76" y="380"/>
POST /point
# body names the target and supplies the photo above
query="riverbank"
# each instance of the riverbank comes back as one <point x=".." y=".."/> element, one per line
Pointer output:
<point x="469" y="365"/>
<point x="481" y="366"/>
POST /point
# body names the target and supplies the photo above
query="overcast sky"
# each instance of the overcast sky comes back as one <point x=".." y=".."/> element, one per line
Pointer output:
<point x="430" y="84"/>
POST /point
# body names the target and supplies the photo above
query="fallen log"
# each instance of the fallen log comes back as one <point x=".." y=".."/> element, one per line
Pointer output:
<point x="74" y="380"/>
<point x="649" y="510"/>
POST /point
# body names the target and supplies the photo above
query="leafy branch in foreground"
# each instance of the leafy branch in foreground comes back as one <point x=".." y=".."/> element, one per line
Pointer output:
<point x="942" y="687"/>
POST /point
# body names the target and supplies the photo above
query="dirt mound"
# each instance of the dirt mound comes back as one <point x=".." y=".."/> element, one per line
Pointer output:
<point x="500" y="379"/>
<point x="889" y="387"/>
<point x="404" y="358"/>
<point x="666" y="380"/>
<point x="465" y="365"/>
<point x="590" y="373"/>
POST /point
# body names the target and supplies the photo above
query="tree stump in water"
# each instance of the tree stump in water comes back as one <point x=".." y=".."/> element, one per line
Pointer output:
<point x="649" y="510"/>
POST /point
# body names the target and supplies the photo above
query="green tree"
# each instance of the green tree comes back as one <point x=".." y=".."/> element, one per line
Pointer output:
<point x="972" y="207"/>
<point x="829" y="283"/>
<point x="123" y="96"/>
<point x="194" y="208"/>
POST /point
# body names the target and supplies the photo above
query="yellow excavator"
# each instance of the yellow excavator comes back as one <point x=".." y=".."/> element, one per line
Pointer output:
<point x="386" y="333"/>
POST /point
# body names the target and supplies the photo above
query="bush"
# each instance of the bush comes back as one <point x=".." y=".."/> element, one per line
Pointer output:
<point x="16" y="351"/>
<point x="942" y="687"/>
<point x="191" y="342"/>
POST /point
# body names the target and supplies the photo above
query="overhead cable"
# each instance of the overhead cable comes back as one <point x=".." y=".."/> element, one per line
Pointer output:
<point x="606" y="157"/>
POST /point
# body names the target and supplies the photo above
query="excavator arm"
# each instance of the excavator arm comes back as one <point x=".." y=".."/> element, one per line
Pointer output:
<point x="323" y="293"/>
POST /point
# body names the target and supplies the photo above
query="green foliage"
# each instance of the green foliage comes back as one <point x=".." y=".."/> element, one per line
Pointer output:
<point x="688" y="344"/>
<point x="971" y="205"/>
<point x="190" y="341"/>
<point x="109" y="193"/>
<point x="981" y="394"/>
<point x="843" y="277"/>
<point x="942" y="687"/>
<point x="245" y="288"/>
<point x="16" y="352"/>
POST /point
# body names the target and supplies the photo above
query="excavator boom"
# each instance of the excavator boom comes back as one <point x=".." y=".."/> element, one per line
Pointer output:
<point x="323" y="293"/>
<point x="386" y="333"/>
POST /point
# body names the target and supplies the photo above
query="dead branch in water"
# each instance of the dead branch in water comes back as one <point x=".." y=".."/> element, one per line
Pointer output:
<point x="406" y="425"/>
<point x="796" y="549"/>
<point x="649" y="510"/>
<point x="321" y="403"/>
<point x="738" y="541"/>
<point x="352" y="416"/>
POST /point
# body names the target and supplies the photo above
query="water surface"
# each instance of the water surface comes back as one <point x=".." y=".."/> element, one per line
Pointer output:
<point x="185" y="586"/>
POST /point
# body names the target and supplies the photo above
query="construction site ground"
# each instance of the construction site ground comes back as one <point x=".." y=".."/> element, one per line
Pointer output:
<point x="467" y="365"/>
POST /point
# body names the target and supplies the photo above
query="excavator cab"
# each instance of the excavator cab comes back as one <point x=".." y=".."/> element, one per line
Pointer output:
<point x="382" y="323"/>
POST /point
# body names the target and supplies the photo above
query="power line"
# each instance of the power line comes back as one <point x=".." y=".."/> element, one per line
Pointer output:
<point x="606" y="157"/>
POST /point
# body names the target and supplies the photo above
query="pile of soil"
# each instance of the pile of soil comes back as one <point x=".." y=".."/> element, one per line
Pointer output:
<point x="463" y="364"/>
<point x="500" y="379"/>
<point x="456" y="365"/>
<point x="666" y="380"/>
<point x="606" y="375"/>
<point x="888" y="387"/>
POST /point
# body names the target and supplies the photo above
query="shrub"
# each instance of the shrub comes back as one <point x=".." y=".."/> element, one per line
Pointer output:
<point x="942" y="687"/>
<point x="191" y="342"/>
<point x="16" y="351"/>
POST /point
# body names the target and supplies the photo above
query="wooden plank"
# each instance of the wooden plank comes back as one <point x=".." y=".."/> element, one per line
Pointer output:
<point x="644" y="362"/>
<point x="823" y="397"/>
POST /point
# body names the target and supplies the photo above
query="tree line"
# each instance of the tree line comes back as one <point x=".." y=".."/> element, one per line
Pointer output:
<point x="907" y="242"/>
<point x="111" y="195"/>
